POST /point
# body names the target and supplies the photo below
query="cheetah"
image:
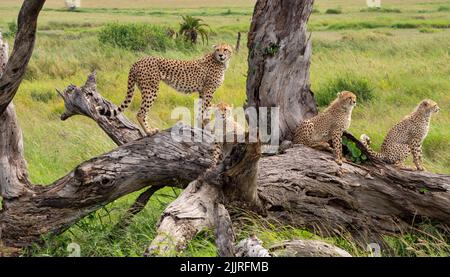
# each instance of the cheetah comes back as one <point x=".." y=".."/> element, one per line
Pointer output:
<point x="405" y="137"/>
<point x="328" y="125"/>
<point x="204" y="75"/>
<point x="230" y="125"/>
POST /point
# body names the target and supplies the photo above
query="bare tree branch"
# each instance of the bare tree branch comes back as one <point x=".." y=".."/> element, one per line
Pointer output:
<point x="21" y="54"/>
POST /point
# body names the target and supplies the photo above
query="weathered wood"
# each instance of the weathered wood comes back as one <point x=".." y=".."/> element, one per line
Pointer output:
<point x="305" y="187"/>
<point x="21" y="54"/>
<point x="238" y="43"/>
<point x="279" y="60"/>
<point x="13" y="168"/>
<point x="306" y="248"/>
<point x="252" y="247"/>
<point x="224" y="232"/>
<point x="156" y="161"/>
<point x="86" y="100"/>
<point x="233" y="180"/>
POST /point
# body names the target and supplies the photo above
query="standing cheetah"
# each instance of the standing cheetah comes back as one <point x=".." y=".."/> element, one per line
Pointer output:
<point x="204" y="75"/>
<point x="328" y="125"/>
<point x="406" y="137"/>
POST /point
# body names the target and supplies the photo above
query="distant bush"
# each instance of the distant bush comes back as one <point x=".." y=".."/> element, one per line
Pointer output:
<point x="427" y="30"/>
<point x="12" y="29"/>
<point x="333" y="11"/>
<point x="136" y="37"/>
<point x="444" y="9"/>
<point x="315" y="10"/>
<point x="381" y="10"/>
<point x="42" y="96"/>
<point x="361" y="87"/>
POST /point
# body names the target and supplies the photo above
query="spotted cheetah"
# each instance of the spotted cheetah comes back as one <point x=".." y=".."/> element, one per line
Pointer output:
<point x="229" y="125"/>
<point x="328" y="125"/>
<point x="204" y="75"/>
<point x="406" y="137"/>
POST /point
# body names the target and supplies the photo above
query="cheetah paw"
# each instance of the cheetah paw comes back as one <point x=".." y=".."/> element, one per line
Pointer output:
<point x="152" y="132"/>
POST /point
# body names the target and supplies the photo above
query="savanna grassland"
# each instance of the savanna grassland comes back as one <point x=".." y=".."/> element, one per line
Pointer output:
<point x="396" y="56"/>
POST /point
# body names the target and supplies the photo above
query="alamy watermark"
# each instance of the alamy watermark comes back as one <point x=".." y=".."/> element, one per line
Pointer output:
<point x="261" y="124"/>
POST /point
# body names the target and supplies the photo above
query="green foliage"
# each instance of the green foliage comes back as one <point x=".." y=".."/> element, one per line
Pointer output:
<point x="428" y="30"/>
<point x="443" y="9"/>
<point x="354" y="153"/>
<point x="136" y="37"/>
<point x="272" y="49"/>
<point x="360" y="86"/>
<point x="191" y="27"/>
<point x="333" y="11"/>
<point x="381" y="10"/>
<point x="44" y="97"/>
<point x="12" y="29"/>
<point x="427" y="239"/>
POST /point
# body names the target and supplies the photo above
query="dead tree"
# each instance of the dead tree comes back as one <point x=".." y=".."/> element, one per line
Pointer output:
<point x="302" y="187"/>
<point x="238" y="43"/>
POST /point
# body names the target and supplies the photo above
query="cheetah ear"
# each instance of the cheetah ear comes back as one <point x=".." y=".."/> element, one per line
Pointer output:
<point x="214" y="46"/>
<point x="339" y="94"/>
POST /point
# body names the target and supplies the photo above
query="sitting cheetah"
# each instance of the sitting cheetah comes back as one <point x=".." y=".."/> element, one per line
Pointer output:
<point x="230" y="125"/>
<point x="203" y="75"/>
<point x="328" y="125"/>
<point x="405" y="137"/>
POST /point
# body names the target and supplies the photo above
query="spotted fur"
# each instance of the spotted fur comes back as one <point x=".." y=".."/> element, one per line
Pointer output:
<point x="406" y="137"/>
<point x="230" y="125"/>
<point x="329" y="125"/>
<point x="203" y="75"/>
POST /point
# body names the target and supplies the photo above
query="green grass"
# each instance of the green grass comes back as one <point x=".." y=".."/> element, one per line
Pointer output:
<point x="397" y="59"/>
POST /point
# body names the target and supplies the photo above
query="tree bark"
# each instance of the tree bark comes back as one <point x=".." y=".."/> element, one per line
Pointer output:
<point x="305" y="187"/>
<point x="23" y="48"/>
<point x="279" y="60"/>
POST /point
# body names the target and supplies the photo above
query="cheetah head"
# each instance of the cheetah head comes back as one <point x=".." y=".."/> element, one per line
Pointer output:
<point x="223" y="108"/>
<point x="222" y="52"/>
<point x="347" y="99"/>
<point x="428" y="106"/>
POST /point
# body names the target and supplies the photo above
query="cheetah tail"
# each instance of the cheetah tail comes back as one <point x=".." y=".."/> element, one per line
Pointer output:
<point x="365" y="140"/>
<point x="127" y="101"/>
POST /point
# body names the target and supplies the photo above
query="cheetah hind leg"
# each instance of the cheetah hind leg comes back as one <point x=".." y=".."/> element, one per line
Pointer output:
<point x="148" y="97"/>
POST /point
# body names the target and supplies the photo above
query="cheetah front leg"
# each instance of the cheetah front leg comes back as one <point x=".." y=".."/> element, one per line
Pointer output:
<point x="148" y="98"/>
<point x="416" y="151"/>
<point x="206" y="96"/>
<point x="337" y="147"/>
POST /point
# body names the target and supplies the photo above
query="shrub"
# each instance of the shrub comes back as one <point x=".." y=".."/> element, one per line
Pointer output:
<point x="45" y="96"/>
<point x="136" y="37"/>
<point x="352" y="152"/>
<point x="381" y="10"/>
<point x="12" y="29"/>
<point x="361" y="87"/>
<point x="427" y="30"/>
<point x="444" y="9"/>
<point x="333" y="11"/>
<point x="191" y="27"/>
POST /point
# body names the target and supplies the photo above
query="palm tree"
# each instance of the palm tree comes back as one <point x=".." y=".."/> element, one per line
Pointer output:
<point x="191" y="27"/>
